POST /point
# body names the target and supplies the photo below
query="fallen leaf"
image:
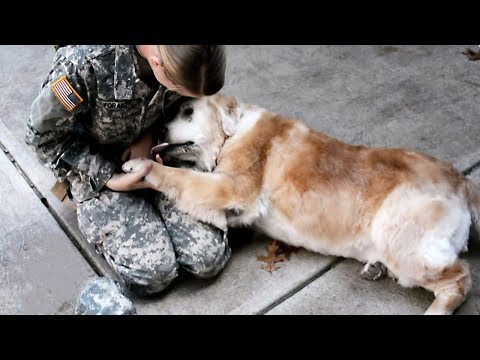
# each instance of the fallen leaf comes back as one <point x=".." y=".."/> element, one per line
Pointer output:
<point x="276" y="253"/>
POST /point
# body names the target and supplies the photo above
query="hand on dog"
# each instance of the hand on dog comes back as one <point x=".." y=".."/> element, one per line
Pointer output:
<point x="158" y="159"/>
<point x="139" y="149"/>
<point x="134" y="179"/>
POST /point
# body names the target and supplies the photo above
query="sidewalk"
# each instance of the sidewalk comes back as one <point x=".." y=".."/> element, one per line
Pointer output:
<point x="420" y="97"/>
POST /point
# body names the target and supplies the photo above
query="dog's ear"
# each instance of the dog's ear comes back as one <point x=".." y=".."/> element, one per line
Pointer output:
<point x="229" y="112"/>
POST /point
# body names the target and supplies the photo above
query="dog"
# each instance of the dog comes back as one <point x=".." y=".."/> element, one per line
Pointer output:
<point x="252" y="167"/>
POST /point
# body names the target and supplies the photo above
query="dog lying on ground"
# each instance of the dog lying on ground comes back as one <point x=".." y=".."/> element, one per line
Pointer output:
<point x="406" y="210"/>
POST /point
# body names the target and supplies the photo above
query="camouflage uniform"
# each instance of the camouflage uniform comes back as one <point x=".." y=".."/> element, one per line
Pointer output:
<point x="95" y="102"/>
<point x="102" y="296"/>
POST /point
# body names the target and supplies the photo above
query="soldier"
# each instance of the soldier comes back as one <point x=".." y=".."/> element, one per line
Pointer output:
<point x="100" y="106"/>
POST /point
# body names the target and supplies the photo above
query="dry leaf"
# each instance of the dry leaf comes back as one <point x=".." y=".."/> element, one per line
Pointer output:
<point x="276" y="253"/>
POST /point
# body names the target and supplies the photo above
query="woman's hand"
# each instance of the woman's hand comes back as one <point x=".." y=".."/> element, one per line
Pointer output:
<point x="140" y="148"/>
<point x="130" y="181"/>
<point x="158" y="159"/>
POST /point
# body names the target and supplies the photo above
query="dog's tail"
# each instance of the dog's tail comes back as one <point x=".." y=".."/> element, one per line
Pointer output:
<point x="473" y="197"/>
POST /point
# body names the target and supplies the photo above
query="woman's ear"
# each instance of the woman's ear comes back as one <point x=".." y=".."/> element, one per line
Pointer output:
<point x="155" y="61"/>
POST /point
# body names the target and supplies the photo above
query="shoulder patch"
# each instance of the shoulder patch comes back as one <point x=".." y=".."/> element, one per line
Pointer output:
<point x="67" y="95"/>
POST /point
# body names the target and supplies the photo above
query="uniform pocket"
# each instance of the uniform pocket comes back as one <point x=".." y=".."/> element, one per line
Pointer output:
<point x="117" y="121"/>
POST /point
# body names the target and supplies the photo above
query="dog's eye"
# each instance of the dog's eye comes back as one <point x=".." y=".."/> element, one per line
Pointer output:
<point x="188" y="111"/>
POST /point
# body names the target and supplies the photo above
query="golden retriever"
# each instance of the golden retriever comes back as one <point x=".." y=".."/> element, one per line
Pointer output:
<point x="406" y="210"/>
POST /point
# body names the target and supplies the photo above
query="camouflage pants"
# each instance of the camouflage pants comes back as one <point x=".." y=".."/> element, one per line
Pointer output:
<point x="145" y="239"/>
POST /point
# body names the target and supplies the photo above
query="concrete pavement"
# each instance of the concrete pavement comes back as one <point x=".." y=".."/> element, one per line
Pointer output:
<point x="420" y="97"/>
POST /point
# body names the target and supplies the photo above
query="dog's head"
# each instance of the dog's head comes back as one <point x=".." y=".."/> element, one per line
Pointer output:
<point x="199" y="130"/>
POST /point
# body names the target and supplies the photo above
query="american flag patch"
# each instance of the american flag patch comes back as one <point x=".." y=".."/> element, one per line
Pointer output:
<point x="66" y="93"/>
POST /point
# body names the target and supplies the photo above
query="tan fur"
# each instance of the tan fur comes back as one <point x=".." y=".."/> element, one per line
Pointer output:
<point x="450" y="287"/>
<point x="308" y="189"/>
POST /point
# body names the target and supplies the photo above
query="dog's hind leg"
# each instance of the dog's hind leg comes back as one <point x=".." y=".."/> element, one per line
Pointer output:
<point x="450" y="286"/>
<point x="420" y="242"/>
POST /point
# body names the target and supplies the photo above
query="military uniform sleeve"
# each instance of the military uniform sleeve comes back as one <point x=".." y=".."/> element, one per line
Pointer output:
<point x="55" y="132"/>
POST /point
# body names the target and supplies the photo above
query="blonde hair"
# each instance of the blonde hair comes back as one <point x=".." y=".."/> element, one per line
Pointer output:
<point x="197" y="68"/>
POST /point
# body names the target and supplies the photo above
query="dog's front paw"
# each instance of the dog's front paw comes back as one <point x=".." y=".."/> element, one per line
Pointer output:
<point x="135" y="165"/>
<point x="375" y="271"/>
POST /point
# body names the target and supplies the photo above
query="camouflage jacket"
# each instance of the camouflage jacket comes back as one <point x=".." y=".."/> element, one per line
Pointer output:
<point x="96" y="100"/>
